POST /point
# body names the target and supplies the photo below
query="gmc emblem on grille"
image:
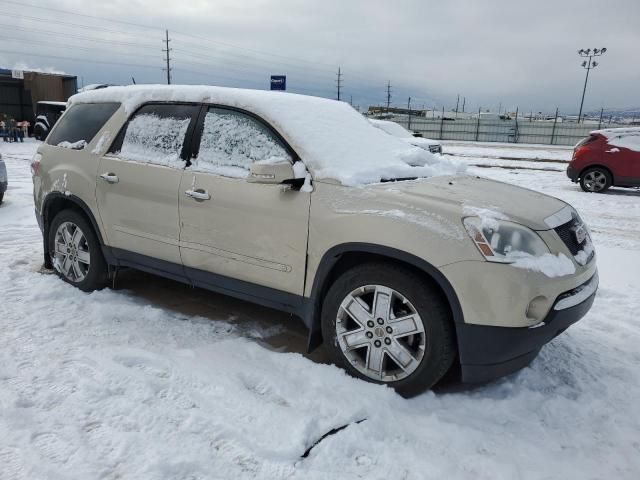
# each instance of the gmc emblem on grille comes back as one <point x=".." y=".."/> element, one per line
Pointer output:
<point x="580" y="233"/>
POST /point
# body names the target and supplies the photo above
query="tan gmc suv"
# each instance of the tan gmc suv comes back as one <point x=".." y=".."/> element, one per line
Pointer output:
<point x="394" y="258"/>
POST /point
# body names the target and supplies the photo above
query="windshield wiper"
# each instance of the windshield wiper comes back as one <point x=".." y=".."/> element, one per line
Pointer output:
<point x="400" y="179"/>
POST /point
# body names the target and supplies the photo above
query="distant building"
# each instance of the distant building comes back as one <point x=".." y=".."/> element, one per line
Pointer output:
<point x="21" y="90"/>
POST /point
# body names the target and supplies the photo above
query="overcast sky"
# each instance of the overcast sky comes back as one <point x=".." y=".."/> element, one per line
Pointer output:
<point x="492" y="52"/>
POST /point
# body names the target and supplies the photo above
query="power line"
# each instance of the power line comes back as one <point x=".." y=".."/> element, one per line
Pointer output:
<point x="197" y="37"/>
<point x="80" y="59"/>
<point x="256" y="57"/>
<point x="64" y="22"/>
<point x="76" y="47"/>
<point x="79" y="37"/>
<point x="69" y="12"/>
<point x="95" y="17"/>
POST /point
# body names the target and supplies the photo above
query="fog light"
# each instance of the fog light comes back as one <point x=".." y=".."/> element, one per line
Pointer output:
<point x="538" y="308"/>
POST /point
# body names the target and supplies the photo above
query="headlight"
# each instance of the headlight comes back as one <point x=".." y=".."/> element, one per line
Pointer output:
<point x="503" y="241"/>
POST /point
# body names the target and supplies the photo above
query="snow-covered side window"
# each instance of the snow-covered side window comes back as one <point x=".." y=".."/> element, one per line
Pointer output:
<point x="231" y="141"/>
<point x="155" y="134"/>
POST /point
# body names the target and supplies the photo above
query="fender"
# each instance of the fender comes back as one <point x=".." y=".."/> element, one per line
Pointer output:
<point x="333" y="255"/>
<point x="46" y="220"/>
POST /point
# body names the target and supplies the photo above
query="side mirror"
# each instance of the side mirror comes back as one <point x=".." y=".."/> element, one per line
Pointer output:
<point x="272" y="173"/>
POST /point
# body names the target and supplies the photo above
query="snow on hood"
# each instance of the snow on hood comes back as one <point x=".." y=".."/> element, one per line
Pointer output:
<point x="332" y="139"/>
<point x="481" y="197"/>
<point x="622" y="137"/>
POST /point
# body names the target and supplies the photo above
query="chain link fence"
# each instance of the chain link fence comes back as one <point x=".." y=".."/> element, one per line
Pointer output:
<point x="507" y="131"/>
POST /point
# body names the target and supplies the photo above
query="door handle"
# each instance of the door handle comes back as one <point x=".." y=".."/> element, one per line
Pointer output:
<point x="110" y="177"/>
<point x="198" y="194"/>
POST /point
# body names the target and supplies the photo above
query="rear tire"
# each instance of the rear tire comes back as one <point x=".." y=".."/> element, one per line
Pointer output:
<point x="595" y="180"/>
<point x="413" y="345"/>
<point x="75" y="252"/>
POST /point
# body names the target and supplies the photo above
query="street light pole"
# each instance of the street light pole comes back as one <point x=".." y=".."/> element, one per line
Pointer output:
<point x="588" y="65"/>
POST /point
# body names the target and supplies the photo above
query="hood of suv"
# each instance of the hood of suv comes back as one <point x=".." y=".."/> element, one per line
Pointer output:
<point x="473" y="196"/>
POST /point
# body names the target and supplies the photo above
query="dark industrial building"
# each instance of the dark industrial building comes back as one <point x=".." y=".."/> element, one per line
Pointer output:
<point x="19" y="96"/>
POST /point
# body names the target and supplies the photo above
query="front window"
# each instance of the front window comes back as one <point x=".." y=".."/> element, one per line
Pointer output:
<point x="231" y="141"/>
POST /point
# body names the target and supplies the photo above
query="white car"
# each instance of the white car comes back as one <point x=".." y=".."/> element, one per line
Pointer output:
<point x="397" y="130"/>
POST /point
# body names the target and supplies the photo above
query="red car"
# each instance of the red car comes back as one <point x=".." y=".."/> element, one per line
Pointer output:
<point x="607" y="158"/>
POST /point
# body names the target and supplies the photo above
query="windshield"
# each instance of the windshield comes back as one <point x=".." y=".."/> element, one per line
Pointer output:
<point x="392" y="128"/>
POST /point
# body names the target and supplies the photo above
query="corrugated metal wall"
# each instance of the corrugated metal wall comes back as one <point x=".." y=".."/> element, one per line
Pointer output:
<point x="508" y="131"/>
<point x="18" y="98"/>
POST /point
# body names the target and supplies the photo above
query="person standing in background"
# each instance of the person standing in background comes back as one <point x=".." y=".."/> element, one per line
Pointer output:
<point x="3" y="132"/>
<point x="20" y="131"/>
<point x="13" y="130"/>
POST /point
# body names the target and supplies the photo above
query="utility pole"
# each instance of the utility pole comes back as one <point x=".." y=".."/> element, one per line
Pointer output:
<point x="457" y="104"/>
<point x="168" y="59"/>
<point x="351" y="100"/>
<point x="464" y="100"/>
<point x="409" y="108"/>
<point x="588" y="65"/>
<point x="388" y="95"/>
<point x="339" y="82"/>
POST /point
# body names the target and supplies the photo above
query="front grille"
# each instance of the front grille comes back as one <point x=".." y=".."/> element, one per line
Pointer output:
<point x="567" y="233"/>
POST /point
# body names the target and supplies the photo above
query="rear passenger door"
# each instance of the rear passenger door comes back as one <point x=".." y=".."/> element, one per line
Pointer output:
<point x="137" y="186"/>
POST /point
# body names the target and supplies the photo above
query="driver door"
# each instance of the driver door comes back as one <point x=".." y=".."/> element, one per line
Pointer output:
<point x="233" y="229"/>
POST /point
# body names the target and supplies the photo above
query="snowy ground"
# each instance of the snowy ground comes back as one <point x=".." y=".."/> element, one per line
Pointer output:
<point x="158" y="381"/>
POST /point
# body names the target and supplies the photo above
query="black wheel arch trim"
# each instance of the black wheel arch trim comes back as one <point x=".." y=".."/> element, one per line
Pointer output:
<point x="597" y="165"/>
<point x="334" y="254"/>
<point x="46" y="220"/>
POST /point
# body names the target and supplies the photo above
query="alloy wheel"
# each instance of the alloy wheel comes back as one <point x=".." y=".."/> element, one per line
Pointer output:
<point x="380" y="333"/>
<point x="71" y="257"/>
<point x="595" y="181"/>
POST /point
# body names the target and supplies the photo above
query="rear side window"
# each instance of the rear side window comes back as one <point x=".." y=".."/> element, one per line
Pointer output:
<point x="156" y="134"/>
<point x="81" y="123"/>
<point x="584" y="141"/>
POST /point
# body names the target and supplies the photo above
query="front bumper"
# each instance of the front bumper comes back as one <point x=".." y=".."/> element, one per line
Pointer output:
<point x="488" y="352"/>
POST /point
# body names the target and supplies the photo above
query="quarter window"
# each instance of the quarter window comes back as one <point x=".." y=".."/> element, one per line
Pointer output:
<point x="156" y="134"/>
<point x="80" y="124"/>
<point x="231" y="141"/>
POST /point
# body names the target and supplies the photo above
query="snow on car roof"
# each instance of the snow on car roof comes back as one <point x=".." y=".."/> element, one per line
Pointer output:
<point x="622" y="137"/>
<point x="609" y="132"/>
<point x="333" y="140"/>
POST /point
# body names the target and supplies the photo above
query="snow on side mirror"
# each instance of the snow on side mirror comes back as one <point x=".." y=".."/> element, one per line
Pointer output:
<point x="273" y="173"/>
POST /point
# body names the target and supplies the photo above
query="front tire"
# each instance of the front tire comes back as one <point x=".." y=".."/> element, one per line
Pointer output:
<point x="75" y="252"/>
<point x="384" y="324"/>
<point x="595" y="180"/>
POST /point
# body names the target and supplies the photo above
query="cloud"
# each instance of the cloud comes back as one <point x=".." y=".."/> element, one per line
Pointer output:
<point x="496" y="51"/>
